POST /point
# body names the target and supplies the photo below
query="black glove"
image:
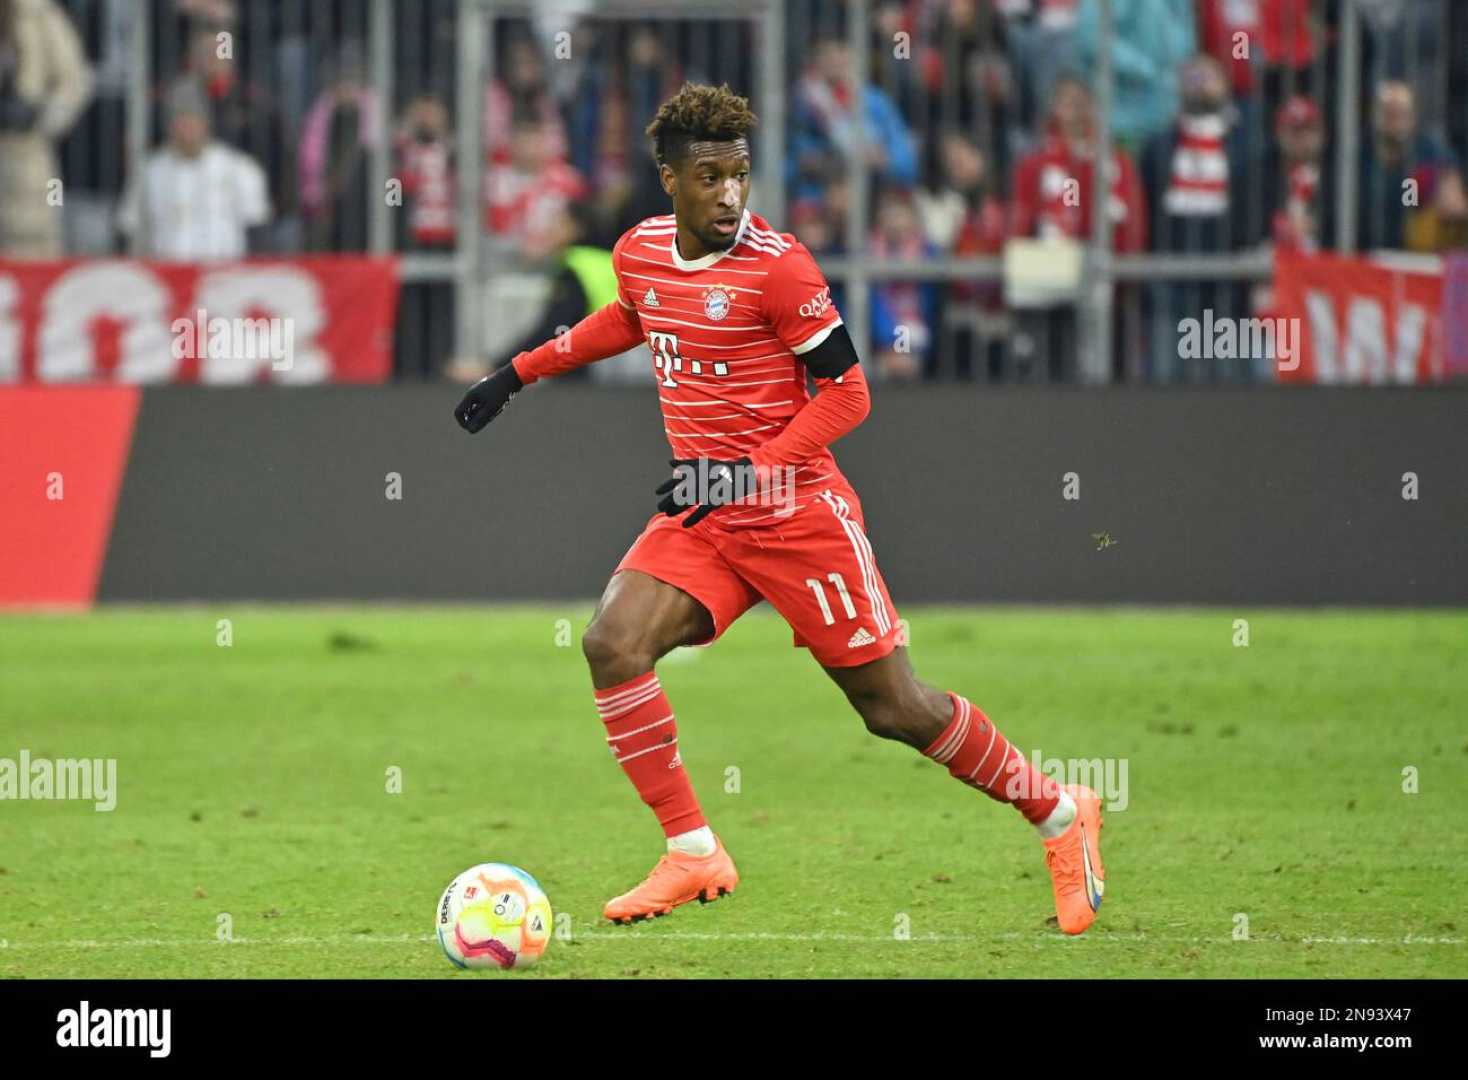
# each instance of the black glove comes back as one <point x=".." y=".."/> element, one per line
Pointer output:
<point x="487" y="398"/>
<point x="707" y="483"/>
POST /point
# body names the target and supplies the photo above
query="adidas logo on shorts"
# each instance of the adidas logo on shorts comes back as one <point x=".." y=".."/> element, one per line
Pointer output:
<point x="860" y="638"/>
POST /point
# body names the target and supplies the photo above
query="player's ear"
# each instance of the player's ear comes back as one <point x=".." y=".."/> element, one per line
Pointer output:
<point x="669" y="178"/>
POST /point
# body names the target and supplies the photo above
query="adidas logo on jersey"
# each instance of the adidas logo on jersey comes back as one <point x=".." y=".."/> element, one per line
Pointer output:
<point x="650" y="298"/>
<point x="860" y="638"/>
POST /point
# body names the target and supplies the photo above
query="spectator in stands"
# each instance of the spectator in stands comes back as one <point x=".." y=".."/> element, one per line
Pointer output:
<point x="242" y="113"/>
<point x="1269" y="50"/>
<point x="424" y="145"/>
<point x="1053" y="185"/>
<point x="592" y="93"/>
<point x="962" y="215"/>
<point x="1390" y="155"/>
<point x="1196" y="173"/>
<point x="958" y="208"/>
<point x="903" y="313"/>
<point x="618" y="164"/>
<point x="650" y="74"/>
<point x="892" y="68"/>
<point x="1295" y="178"/>
<point x="196" y="198"/>
<point x="1196" y="176"/>
<point x="822" y="135"/>
<point x="969" y="78"/>
<point x="1223" y="27"/>
<point x="524" y="89"/>
<point x="1406" y="39"/>
<point x="1290" y="50"/>
<point x="1042" y="34"/>
<point x="1053" y="195"/>
<point x="1150" y="41"/>
<point x="528" y="193"/>
<point x="45" y="82"/>
<point x="1229" y="31"/>
<point x="341" y="130"/>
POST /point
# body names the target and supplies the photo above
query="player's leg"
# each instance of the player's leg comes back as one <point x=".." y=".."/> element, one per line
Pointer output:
<point x="822" y="577"/>
<point x="671" y="588"/>
<point x="953" y="731"/>
<point x="637" y="622"/>
<point x="895" y="704"/>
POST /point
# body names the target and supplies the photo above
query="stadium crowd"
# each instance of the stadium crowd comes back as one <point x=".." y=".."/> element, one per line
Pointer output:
<point x="978" y="127"/>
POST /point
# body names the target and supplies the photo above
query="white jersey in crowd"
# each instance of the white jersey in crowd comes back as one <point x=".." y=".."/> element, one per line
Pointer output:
<point x="185" y="209"/>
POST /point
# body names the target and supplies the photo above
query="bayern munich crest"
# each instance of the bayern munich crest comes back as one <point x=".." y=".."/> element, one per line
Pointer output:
<point x="716" y="302"/>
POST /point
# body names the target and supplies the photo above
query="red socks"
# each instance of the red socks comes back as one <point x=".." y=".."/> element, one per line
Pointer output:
<point x="977" y="753"/>
<point x="643" y="737"/>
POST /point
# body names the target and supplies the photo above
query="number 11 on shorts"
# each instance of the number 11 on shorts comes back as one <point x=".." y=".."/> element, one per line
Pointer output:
<point x="820" y="590"/>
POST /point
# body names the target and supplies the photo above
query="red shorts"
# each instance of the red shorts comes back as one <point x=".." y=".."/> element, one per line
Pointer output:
<point x="816" y="568"/>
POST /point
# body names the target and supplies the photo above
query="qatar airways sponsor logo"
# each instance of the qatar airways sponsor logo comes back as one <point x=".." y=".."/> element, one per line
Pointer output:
<point x="817" y="305"/>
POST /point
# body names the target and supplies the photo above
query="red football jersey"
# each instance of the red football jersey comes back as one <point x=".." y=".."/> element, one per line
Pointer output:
<point x="727" y="332"/>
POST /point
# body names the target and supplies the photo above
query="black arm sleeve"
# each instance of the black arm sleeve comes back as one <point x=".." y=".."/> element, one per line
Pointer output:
<point x="832" y="356"/>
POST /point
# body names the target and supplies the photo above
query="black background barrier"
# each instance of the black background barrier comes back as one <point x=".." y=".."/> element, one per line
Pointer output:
<point x="1217" y="496"/>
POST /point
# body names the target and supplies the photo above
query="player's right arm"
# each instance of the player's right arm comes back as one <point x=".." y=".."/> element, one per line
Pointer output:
<point x="609" y="331"/>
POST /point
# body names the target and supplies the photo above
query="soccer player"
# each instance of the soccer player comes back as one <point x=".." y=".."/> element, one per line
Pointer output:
<point x="736" y="315"/>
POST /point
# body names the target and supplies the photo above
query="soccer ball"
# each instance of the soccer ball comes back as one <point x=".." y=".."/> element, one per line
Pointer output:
<point x="494" y="915"/>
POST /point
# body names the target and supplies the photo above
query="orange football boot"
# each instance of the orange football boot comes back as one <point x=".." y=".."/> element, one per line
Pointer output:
<point x="1074" y="861"/>
<point x="676" y="879"/>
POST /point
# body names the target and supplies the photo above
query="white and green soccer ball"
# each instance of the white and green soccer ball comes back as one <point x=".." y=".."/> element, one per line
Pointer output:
<point x="494" y="916"/>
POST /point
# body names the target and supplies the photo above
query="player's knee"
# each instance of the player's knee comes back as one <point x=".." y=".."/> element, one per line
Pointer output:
<point x="902" y="714"/>
<point x="616" y="649"/>
<point x="882" y="716"/>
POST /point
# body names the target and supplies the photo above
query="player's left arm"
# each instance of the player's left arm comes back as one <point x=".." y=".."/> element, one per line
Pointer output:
<point x="797" y="304"/>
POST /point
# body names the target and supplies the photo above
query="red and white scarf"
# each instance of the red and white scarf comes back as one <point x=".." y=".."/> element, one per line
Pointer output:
<point x="1199" y="186"/>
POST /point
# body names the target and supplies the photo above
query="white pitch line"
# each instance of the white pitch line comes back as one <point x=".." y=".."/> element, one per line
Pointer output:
<point x="686" y="935"/>
<point x="1012" y="936"/>
<point x="213" y="943"/>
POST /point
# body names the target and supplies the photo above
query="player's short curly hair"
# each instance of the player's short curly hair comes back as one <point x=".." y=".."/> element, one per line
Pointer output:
<point x="698" y="113"/>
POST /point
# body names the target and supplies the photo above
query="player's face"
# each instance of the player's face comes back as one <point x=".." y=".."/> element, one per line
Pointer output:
<point x="709" y="191"/>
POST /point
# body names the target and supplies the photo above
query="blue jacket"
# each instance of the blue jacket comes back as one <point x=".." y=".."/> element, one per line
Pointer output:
<point x="1151" y="40"/>
<point x="881" y="123"/>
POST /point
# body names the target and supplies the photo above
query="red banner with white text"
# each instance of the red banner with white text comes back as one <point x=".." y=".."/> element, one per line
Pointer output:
<point x="314" y="319"/>
<point x="1359" y="322"/>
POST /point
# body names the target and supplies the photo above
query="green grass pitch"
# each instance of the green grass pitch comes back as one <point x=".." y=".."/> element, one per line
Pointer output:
<point x="1265" y="790"/>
